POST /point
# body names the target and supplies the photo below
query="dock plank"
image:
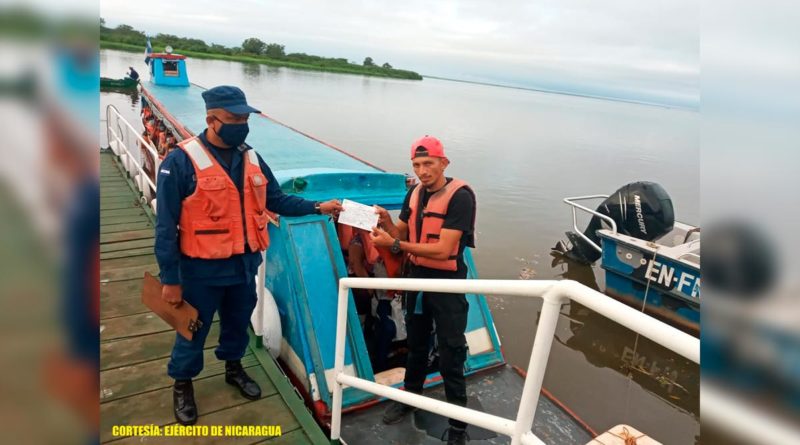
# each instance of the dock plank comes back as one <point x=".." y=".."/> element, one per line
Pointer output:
<point x="122" y="305"/>
<point x="122" y="184"/>
<point x="116" y="228"/>
<point x="134" y="211"/>
<point x="105" y="200"/>
<point x="126" y="253"/>
<point x="118" y="193"/>
<point x="120" y="289"/>
<point x="121" y="263"/>
<point x="114" y="246"/>
<point x="127" y="273"/>
<point x="112" y="220"/>
<point x="112" y="182"/>
<point x="130" y="235"/>
<point x="126" y="352"/>
<point x="132" y="326"/>
<point x="150" y="376"/>
<point x="132" y="204"/>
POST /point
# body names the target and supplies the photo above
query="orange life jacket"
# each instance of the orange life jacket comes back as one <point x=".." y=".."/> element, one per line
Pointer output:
<point x="392" y="262"/>
<point x="211" y="218"/>
<point x="433" y="216"/>
<point x="346" y="234"/>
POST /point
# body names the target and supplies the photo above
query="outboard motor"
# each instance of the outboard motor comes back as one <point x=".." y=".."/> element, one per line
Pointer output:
<point x="642" y="210"/>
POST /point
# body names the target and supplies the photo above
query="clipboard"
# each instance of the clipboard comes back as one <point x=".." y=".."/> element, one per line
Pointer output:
<point x="182" y="317"/>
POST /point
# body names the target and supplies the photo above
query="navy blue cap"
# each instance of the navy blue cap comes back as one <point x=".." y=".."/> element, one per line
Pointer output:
<point x="229" y="98"/>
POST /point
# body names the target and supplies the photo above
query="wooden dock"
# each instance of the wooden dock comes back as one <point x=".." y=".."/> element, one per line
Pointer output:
<point x="135" y="344"/>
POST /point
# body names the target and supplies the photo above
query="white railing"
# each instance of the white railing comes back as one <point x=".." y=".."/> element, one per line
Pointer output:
<point x="118" y="140"/>
<point x="554" y="293"/>
<point x="571" y="202"/>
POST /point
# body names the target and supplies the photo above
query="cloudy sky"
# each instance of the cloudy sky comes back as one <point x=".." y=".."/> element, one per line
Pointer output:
<point x="630" y="49"/>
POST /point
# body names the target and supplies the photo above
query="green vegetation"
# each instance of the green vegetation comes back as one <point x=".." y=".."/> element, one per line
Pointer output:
<point x="252" y="50"/>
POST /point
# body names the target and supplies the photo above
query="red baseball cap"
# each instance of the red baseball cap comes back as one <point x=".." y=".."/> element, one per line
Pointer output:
<point x="427" y="146"/>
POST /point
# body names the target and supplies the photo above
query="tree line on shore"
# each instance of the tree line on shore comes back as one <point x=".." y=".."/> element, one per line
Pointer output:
<point x="251" y="48"/>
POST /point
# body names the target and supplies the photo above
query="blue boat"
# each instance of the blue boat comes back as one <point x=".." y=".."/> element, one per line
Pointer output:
<point x="651" y="261"/>
<point x="665" y="275"/>
<point x="305" y="262"/>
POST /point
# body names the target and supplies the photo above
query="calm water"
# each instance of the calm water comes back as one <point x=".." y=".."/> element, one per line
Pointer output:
<point x="522" y="152"/>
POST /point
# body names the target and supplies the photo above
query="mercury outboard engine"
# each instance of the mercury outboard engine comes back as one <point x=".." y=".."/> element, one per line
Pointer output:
<point x="641" y="209"/>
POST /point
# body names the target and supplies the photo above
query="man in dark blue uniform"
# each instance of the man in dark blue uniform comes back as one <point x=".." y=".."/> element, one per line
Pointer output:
<point x="223" y="284"/>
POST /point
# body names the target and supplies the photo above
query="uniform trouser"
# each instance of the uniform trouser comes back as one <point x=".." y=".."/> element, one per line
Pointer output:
<point x="449" y="311"/>
<point x="235" y="304"/>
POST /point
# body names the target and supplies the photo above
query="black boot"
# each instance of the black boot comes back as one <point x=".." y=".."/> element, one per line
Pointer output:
<point x="235" y="375"/>
<point x="396" y="412"/>
<point x="456" y="436"/>
<point x="183" y="402"/>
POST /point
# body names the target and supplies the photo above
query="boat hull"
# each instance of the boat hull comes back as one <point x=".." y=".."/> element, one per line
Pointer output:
<point x="639" y="274"/>
<point x="118" y="84"/>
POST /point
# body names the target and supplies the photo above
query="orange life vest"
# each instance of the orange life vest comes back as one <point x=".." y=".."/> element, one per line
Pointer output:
<point x="211" y="224"/>
<point x="433" y="216"/>
<point x="392" y="262"/>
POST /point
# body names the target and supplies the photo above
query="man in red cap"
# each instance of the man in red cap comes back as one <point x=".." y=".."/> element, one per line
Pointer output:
<point x="436" y="224"/>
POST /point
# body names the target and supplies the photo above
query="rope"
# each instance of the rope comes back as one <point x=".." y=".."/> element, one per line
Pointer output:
<point x="636" y="342"/>
<point x="629" y="438"/>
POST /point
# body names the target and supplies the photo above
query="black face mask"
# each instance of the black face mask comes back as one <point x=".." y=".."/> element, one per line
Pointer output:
<point x="233" y="134"/>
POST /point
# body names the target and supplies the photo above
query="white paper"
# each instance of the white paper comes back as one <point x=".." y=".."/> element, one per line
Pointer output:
<point x="358" y="215"/>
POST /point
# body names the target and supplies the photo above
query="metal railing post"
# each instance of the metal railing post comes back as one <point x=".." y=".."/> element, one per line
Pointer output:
<point x="545" y="332"/>
<point x="338" y="367"/>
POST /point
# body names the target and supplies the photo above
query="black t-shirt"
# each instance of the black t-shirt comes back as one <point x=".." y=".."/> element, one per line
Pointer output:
<point x="460" y="216"/>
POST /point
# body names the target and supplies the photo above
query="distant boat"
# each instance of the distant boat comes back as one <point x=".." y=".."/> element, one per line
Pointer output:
<point x="118" y="84"/>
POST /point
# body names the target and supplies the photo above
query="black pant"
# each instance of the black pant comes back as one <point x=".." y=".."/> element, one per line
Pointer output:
<point x="449" y="311"/>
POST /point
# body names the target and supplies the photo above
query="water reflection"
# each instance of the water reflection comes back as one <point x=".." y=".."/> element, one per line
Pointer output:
<point x="130" y="94"/>
<point x="570" y="270"/>
<point x="251" y="70"/>
<point x="606" y="344"/>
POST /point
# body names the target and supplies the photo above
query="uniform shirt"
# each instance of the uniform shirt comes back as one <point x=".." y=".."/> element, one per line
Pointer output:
<point x="460" y="216"/>
<point x="176" y="182"/>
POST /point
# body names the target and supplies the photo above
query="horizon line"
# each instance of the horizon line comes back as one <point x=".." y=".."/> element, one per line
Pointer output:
<point x="566" y="93"/>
